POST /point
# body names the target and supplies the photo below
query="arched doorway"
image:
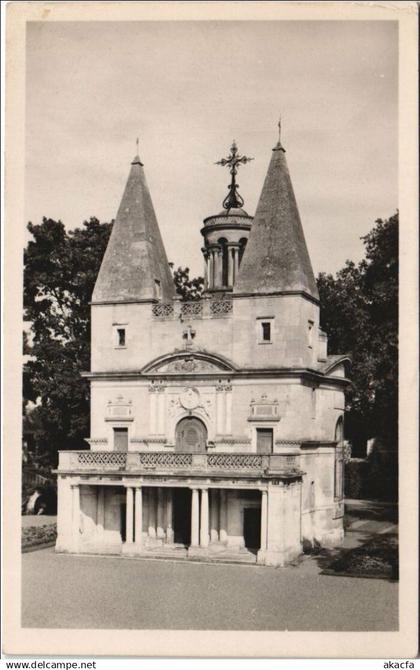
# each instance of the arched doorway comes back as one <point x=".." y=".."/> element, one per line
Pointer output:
<point x="191" y="436"/>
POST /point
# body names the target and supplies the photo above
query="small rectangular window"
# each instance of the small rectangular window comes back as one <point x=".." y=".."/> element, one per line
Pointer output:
<point x="310" y="334"/>
<point x="121" y="337"/>
<point x="264" y="440"/>
<point x="266" y="331"/>
<point x="120" y="439"/>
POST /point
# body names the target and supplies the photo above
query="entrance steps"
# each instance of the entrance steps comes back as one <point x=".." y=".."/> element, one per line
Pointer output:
<point x="175" y="552"/>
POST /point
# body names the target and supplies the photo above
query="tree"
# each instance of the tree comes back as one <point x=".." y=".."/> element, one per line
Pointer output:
<point x="60" y="270"/>
<point x="359" y="312"/>
<point x="188" y="289"/>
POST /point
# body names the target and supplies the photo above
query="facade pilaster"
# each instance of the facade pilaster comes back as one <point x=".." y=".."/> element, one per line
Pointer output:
<point x="195" y="518"/>
<point x="204" y="521"/>
<point x="75" y="516"/>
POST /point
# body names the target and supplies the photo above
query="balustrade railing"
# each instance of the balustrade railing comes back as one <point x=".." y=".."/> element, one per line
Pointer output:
<point x="159" y="460"/>
<point x="194" y="309"/>
<point x="235" y="462"/>
<point x="171" y="461"/>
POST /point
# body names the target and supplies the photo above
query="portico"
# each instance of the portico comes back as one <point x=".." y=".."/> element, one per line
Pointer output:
<point x="147" y="522"/>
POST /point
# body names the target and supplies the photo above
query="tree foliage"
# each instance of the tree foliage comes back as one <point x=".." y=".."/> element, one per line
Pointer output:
<point x="60" y="269"/>
<point x="359" y="312"/>
<point x="188" y="289"/>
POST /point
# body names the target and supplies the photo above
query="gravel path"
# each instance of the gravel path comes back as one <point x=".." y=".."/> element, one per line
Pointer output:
<point x="64" y="591"/>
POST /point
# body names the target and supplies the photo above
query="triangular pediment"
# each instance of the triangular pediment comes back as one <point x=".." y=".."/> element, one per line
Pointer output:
<point x="188" y="362"/>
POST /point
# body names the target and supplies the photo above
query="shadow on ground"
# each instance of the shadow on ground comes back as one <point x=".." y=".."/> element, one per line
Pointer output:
<point x="370" y="549"/>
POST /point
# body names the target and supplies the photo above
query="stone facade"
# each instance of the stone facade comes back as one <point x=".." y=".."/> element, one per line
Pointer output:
<point x="216" y="425"/>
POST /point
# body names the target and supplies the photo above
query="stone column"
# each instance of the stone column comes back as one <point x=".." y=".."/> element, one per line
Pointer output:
<point x="129" y="516"/>
<point x="219" y="268"/>
<point x="264" y="516"/>
<point x="194" y="518"/>
<point x="160" y="532"/>
<point x="75" y="516"/>
<point x="223" y="517"/>
<point x="169" y="529"/>
<point x="213" y="268"/>
<point x="138" y="502"/>
<point x="204" y="521"/>
<point x="152" y="513"/>
<point x="231" y="272"/>
<point x="214" y="516"/>
<point x="206" y="268"/>
<point x="100" y="512"/>
<point x="235" y="262"/>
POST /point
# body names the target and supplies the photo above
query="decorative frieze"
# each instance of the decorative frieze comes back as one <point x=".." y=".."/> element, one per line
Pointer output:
<point x="157" y="386"/>
<point x="163" y="310"/>
<point x="220" y="307"/>
<point x="148" y="440"/>
<point x="194" y="309"/>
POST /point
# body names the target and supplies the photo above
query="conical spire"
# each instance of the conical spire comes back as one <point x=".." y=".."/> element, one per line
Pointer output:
<point x="135" y="266"/>
<point x="276" y="257"/>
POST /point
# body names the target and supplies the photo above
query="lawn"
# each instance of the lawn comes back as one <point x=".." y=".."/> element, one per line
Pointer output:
<point x="38" y="536"/>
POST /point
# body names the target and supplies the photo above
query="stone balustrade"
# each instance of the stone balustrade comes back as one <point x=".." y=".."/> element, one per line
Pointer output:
<point x="161" y="462"/>
<point x="194" y="309"/>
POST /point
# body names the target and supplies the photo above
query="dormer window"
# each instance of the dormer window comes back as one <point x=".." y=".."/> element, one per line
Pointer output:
<point x="158" y="289"/>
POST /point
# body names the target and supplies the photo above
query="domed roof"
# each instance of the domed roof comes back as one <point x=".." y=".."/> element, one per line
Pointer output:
<point x="233" y="211"/>
<point x="229" y="217"/>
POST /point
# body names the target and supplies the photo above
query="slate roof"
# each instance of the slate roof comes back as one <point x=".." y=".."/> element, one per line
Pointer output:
<point x="276" y="257"/>
<point x="135" y="256"/>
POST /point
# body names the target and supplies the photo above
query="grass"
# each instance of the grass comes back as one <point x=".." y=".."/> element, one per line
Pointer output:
<point x="38" y="536"/>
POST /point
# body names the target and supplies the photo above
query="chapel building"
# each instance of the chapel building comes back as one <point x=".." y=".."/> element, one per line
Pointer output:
<point x="216" y="424"/>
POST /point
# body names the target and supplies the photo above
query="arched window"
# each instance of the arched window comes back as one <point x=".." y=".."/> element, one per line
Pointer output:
<point x="191" y="436"/>
<point x="339" y="431"/>
<point x="242" y="245"/>
<point x="225" y="261"/>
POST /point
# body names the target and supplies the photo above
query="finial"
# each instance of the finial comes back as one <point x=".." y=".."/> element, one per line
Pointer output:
<point x="278" y="146"/>
<point x="137" y="160"/>
<point x="233" y="161"/>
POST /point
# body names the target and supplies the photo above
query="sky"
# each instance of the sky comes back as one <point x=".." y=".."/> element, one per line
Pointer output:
<point x="187" y="89"/>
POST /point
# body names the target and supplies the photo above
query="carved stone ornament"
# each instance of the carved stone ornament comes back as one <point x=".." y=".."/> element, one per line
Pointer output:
<point x="188" y="363"/>
<point x="190" y="399"/>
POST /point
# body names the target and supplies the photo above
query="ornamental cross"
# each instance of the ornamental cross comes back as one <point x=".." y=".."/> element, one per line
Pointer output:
<point x="188" y="334"/>
<point x="233" y="161"/>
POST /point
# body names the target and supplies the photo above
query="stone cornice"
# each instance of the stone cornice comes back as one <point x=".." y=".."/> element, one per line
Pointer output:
<point x="306" y="374"/>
